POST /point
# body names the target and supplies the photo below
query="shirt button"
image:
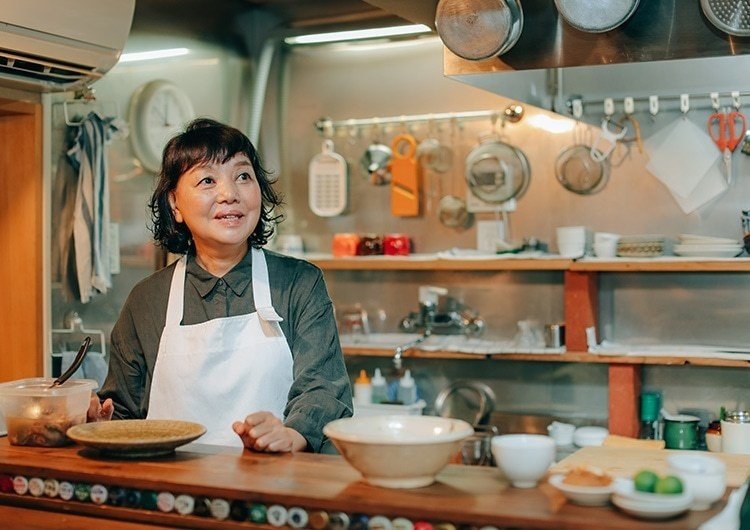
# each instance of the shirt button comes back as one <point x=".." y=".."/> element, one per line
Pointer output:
<point x="220" y="282"/>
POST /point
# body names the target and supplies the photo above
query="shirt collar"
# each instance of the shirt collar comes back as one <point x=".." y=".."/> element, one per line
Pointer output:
<point x="237" y="279"/>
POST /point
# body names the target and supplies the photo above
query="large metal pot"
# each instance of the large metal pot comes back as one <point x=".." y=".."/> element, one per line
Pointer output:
<point x="479" y="29"/>
<point x="596" y="16"/>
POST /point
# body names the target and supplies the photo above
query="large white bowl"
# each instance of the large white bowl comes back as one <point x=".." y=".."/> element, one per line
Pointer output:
<point x="523" y="458"/>
<point x="398" y="451"/>
<point x="705" y="476"/>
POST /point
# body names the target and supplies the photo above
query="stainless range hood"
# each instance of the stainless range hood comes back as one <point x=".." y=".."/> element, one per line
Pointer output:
<point x="667" y="47"/>
<point x="658" y="30"/>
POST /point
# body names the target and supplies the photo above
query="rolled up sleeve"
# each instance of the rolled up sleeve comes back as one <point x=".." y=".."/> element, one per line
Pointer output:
<point x="321" y="391"/>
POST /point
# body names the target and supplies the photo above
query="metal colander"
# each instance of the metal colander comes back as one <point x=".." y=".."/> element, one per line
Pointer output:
<point x="596" y="16"/>
<point x="730" y="16"/>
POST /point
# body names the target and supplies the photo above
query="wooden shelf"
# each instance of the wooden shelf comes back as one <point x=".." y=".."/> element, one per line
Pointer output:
<point x="675" y="264"/>
<point x="568" y="357"/>
<point x="437" y="264"/>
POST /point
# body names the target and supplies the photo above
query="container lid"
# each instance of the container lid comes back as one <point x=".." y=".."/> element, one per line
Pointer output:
<point x="738" y="416"/>
<point x="39" y="386"/>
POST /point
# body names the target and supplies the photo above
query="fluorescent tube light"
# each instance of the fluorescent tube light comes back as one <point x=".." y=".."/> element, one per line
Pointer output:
<point x="359" y="34"/>
<point x="155" y="54"/>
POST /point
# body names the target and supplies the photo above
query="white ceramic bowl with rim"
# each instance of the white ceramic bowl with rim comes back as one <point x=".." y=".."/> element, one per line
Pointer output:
<point x="705" y="476"/>
<point x="398" y="451"/>
<point x="583" y="495"/>
<point x="523" y="458"/>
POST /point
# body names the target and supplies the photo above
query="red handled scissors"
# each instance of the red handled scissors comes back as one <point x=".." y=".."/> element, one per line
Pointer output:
<point x="726" y="130"/>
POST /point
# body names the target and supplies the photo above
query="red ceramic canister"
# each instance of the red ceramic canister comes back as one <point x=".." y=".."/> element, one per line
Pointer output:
<point x="345" y="244"/>
<point x="370" y="245"/>
<point x="396" y="245"/>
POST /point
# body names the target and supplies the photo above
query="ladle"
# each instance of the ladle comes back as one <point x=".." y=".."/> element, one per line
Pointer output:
<point x="75" y="365"/>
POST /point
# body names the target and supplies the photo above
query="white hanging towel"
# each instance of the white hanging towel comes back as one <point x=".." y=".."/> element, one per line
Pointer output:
<point x="91" y="215"/>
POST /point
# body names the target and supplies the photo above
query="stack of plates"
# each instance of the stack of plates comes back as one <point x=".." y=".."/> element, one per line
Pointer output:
<point x="649" y="505"/>
<point x="695" y="246"/>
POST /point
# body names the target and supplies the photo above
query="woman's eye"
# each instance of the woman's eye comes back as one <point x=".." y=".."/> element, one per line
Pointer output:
<point x="206" y="180"/>
<point x="245" y="176"/>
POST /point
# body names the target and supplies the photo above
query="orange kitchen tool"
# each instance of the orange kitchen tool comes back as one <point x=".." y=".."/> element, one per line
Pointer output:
<point x="405" y="177"/>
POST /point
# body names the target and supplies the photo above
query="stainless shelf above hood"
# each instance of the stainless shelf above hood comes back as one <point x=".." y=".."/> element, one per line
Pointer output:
<point x="658" y="30"/>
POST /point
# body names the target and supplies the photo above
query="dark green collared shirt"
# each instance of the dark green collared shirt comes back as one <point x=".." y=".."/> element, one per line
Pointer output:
<point x="320" y="392"/>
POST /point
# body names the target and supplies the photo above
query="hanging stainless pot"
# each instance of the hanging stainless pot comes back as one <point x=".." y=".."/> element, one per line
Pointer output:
<point x="497" y="172"/>
<point x="596" y="16"/>
<point x="479" y="29"/>
<point x="730" y="16"/>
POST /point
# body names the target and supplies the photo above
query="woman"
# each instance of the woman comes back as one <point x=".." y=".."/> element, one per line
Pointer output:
<point x="231" y="336"/>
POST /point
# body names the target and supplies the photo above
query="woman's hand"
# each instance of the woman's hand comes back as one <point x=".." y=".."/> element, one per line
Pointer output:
<point x="262" y="431"/>
<point x="99" y="411"/>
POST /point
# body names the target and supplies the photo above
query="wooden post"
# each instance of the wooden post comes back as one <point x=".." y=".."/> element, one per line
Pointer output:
<point x="580" y="308"/>
<point x="624" y="393"/>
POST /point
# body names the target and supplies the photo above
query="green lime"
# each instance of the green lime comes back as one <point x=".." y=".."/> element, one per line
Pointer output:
<point x="669" y="485"/>
<point x="645" y="480"/>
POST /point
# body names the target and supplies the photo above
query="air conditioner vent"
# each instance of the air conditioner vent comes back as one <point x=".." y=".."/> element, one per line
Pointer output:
<point x="58" y="73"/>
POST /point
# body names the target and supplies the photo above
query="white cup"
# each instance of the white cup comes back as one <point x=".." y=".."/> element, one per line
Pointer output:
<point x="562" y="433"/>
<point x="290" y="244"/>
<point x="605" y="237"/>
<point x="523" y="458"/>
<point x="704" y="476"/>
<point x="572" y="241"/>
<point x="735" y="437"/>
<point x="606" y="249"/>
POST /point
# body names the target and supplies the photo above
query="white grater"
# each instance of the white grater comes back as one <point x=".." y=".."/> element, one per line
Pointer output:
<point x="327" y="182"/>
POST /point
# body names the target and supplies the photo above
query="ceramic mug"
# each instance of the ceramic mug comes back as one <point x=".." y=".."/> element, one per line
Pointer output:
<point x="396" y="245"/>
<point x="370" y="245"/>
<point x="345" y="245"/>
<point x="681" y="432"/>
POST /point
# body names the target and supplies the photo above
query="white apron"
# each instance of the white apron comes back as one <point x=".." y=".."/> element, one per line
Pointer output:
<point x="219" y="371"/>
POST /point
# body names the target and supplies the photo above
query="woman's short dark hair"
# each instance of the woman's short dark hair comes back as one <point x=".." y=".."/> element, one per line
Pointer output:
<point x="206" y="141"/>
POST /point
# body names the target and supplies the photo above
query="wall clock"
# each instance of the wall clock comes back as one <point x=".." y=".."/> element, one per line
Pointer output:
<point x="158" y="111"/>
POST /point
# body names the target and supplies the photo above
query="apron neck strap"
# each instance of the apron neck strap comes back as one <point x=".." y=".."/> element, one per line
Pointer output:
<point x="260" y="284"/>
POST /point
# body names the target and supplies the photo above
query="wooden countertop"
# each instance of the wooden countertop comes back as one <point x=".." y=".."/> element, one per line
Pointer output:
<point x="462" y="495"/>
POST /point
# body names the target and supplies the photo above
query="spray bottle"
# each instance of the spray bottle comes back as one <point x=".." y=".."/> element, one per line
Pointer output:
<point x="362" y="389"/>
<point x="407" y="389"/>
<point x="379" y="388"/>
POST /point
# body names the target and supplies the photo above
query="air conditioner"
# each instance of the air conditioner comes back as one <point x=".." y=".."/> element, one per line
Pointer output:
<point x="57" y="45"/>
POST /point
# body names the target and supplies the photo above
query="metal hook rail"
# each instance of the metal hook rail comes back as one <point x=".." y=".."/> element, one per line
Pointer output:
<point x="512" y="113"/>
<point x="575" y="103"/>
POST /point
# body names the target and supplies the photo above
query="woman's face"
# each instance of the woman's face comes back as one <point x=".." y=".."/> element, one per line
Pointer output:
<point x="219" y="203"/>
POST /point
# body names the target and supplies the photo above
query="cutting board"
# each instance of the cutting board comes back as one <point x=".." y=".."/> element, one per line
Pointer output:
<point x="405" y="177"/>
<point x="626" y="462"/>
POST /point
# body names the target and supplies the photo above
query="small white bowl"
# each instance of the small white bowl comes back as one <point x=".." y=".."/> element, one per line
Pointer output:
<point x="398" y="451"/>
<point x="588" y="436"/>
<point x="523" y="458"/>
<point x="713" y="442"/>
<point x="705" y="476"/>
<point x="583" y="495"/>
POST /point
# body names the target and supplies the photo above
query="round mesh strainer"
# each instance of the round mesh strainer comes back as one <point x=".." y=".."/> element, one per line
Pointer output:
<point x="578" y="172"/>
<point x="730" y="16"/>
<point x="596" y="16"/>
<point x="497" y="172"/>
<point x="478" y="29"/>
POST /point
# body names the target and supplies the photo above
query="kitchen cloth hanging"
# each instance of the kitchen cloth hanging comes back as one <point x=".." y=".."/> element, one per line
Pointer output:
<point x="88" y="156"/>
<point x="709" y="186"/>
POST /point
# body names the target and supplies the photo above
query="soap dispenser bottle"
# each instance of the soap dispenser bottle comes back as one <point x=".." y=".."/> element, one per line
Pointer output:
<point x="407" y="389"/>
<point x="362" y="389"/>
<point x="379" y="387"/>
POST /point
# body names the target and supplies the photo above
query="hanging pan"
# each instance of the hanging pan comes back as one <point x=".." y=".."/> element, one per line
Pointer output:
<point x="730" y="16"/>
<point x="497" y="172"/>
<point x="596" y="16"/>
<point x="579" y="172"/>
<point x="479" y="29"/>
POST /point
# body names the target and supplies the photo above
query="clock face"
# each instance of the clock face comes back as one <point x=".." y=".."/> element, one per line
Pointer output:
<point x="158" y="111"/>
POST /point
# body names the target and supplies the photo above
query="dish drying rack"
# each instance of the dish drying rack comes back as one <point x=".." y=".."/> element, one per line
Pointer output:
<point x="76" y="327"/>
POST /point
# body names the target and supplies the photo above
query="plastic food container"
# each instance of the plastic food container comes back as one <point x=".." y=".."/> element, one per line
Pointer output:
<point x="40" y="416"/>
